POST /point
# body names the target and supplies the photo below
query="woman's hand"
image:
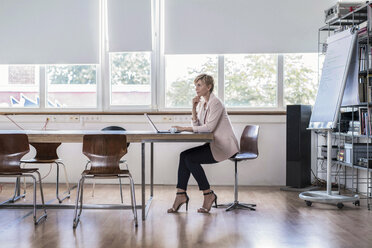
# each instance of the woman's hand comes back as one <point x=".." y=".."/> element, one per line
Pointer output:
<point x="195" y="101"/>
<point x="178" y="128"/>
<point x="181" y="129"/>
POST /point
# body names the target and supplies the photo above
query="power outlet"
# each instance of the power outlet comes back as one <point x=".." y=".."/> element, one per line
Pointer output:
<point x="74" y="118"/>
<point x="167" y="118"/>
<point x="64" y="118"/>
<point x="181" y="118"/>
<point x="91" y="118"/>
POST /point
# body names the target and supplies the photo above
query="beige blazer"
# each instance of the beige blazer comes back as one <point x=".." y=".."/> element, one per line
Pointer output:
<point x="214" y="119"/>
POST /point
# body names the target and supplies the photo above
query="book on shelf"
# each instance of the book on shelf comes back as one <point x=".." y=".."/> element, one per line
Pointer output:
<point x="365" y="121"/>
<point x="364" y="91"/>
<point x="365" y="60"/>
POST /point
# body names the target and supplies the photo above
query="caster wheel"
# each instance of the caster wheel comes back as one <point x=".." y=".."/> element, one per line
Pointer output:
<point x="60" y="201"/>
<point x="340" y="205"/>
<point x="357" y="203"/>
<point x="308" y="203"/>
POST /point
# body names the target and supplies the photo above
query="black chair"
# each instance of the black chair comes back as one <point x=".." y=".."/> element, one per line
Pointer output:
<point x="104" y="152"/>
<point x="248" y="150"/>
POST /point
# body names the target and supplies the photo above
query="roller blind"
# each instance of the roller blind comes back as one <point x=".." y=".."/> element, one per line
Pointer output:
<point x="242" y="26"/>
<point x="49" y="32"/>
<point x="129" y="25"/>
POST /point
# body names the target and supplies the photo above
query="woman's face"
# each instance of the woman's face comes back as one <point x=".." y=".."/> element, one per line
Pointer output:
<point x="201" y="88"/>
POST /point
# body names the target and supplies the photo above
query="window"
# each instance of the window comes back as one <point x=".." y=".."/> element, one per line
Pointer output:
<point x="152" y="72"/>
<point x="130" y="77"/>
<point x="251" y="80"/>
<point x="19" y="86"/>
<point x="71" y="86"/>
<point x="180" y="72"/>
<point x="300" y="78"/>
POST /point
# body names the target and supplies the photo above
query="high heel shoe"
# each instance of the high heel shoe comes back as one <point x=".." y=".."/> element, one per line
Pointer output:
<point x="206" y="210"/>
<point x="175" y="210"/>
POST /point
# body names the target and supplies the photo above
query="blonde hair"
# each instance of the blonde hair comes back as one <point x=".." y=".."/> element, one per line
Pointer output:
<point x="207" y="79"/>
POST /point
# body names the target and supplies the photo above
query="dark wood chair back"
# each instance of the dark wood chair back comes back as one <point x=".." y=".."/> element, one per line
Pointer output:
<point x="46" y="151"/>
<point x="249" y="140"/>
<point x="104" y="152"/>
<point x="115" y="128"/>
<point x="12" y="148"/>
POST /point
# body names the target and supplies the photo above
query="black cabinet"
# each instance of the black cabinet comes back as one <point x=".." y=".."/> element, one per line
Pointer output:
<point x="298" y="146"/>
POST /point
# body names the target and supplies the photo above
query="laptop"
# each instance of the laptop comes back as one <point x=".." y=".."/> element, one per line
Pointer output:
<point x="155" y="128"/>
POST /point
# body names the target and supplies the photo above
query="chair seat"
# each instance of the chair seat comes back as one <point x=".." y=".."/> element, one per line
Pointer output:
<point x="40" y="161"/>
<point x="18" y="171"/>
<point x="243" y="156"/>
<point x="105" y="174"/>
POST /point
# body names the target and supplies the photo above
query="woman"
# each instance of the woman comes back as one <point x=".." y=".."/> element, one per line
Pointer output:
<point x="208" y="115"/>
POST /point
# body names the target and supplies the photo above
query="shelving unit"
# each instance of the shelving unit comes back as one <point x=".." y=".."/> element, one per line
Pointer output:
<point x="361" y="20"/>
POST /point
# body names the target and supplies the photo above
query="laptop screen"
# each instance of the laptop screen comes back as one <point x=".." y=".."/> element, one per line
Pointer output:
<point x="151" y="123"/>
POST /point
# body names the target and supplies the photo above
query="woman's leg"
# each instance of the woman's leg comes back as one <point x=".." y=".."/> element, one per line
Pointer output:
<point x="190" y="162"/>
<point x="183" y="172"/>
<point x="194" y="157"/>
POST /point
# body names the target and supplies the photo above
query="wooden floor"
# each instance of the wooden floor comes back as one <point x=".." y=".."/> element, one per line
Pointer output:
<point x="281" y="220"/>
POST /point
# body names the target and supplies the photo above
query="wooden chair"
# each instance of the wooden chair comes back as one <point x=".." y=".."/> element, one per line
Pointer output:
<point x="122" y="161"/>
<point x="104" y="152"/>
<point x="12" y="148"/>
<point x="248" y="150"/>
<point x="46" y="153"/>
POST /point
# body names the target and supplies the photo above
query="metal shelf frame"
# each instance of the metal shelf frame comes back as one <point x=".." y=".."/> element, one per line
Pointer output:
<point x="360" y="17"/>
<point x="354" y="19"/>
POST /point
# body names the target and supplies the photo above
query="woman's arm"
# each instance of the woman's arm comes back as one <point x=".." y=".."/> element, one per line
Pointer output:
<point x="195" y="102"/>
<point x="214" y="116"/>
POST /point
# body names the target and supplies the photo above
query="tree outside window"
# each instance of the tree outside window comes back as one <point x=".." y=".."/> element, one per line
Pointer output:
<point x="130" y="76"/>
<point x="71" y="86"/>
<point x="181" y="71"/>
<point x="250" y="80"/>
<point x="300" y="78"/>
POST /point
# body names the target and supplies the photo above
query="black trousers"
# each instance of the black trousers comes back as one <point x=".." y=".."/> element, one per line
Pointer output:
<point x="190" y="162"/>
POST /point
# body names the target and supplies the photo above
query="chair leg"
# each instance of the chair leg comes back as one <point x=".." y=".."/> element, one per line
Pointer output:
<point x="16" y="196"/>
<point x="76" y="217"/>
<point x="94" y="183"/>
<point x="17" y="191"/>
<point x="132" y="191"/>
<point x="24" y="186"/>
<point x="57" y="183"/>
<point x="93" y="187"/>
<point x="66" y="178"/>
<point x="236" y="204"/>
<point x="81" y="197"/>
<point x="24" y="180"/>
<point x="121" y="191"/>
<point x="44" y="216"/>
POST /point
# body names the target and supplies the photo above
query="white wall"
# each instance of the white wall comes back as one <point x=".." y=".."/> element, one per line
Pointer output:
<point x="267" y="169"/>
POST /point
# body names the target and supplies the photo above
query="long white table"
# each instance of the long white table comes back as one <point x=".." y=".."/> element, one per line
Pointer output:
<point x="143" y="137"/>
